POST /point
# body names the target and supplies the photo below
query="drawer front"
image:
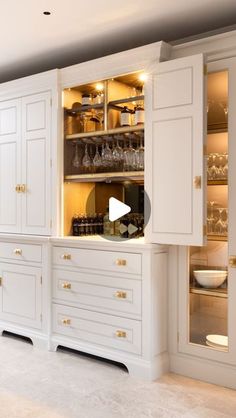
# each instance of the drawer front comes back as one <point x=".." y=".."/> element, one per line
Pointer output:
<point x="21" y="252"/>
<point x="100" y="329"/>
<point x="100" y="260"/>
<point x="113" y="294"/>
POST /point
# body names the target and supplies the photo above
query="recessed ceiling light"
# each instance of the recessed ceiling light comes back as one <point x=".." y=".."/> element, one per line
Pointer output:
<point x="47" y="13"/>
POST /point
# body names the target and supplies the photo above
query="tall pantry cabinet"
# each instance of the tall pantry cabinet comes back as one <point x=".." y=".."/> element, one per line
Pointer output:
<point x="28" y="202"/>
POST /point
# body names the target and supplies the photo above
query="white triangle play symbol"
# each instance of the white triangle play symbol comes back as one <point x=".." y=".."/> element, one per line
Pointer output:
<point x="117" y="209"/>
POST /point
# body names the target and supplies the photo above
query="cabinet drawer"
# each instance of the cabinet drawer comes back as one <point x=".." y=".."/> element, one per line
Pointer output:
<point x="21" y="252"/>
<point x="106" y="330"/>
<point x="113" y="294"/>
<point x="99" y="260"/>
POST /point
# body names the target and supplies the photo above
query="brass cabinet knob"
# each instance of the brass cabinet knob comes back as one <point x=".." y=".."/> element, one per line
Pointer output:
<point x="22" y="188"/>
<point x="66" y="322"/>
<point x="120" y="334"/>
<point x="120" y="294"/>
<point x="197" y="182"/>
<point x="232" y="261"/>
<point x="66" y="256"/>
<point x="17" y="188"/>
<point x="66" y="285"/>
<point x="120" y="262"/>
<point x="17" y="251"/>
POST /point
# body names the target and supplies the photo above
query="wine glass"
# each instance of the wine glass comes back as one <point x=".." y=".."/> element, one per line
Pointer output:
<point x="107" y="154"/>
<point x="118" y="155"/>
<point x="86" y="161"/>
<point x="139" y="156"/>
<point x="97" y="160"/>
<point x="129" y="158"/>
<point x="76" y="157"/>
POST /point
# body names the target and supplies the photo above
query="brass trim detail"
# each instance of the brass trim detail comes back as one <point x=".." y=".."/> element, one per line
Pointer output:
<point x="120" y="262"/>
<point x="66" y="285"/>
<point x="197" y="182"/>
<point x="232" y="261"/>
<point x="66" y="321"/>
<point x="66" y="256"/>
<point x="17" y="251"/>
<point x="120" y="294"/>
<point x="120" y="334"/>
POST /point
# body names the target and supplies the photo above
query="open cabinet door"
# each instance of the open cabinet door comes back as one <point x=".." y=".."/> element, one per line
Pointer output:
<point x="174" y="139"/>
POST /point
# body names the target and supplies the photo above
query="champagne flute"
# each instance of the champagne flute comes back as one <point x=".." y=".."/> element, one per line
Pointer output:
<point x="76" y="157"/>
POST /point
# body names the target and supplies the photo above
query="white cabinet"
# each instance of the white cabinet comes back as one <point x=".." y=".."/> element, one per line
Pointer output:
<point x="21" y="295"/>
<point x="10" y="165"/>
<point x="25" y="152"/>
<point x="175" y="135"/>
<point x="115" y="310"/>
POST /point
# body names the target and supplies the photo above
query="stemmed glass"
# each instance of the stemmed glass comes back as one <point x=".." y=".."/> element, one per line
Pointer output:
<point x="97" y="160"/>
<point x="129" y="158"/>
<point x="107" y="156"/>
<point x="76" y="157"/>
<point x="213" y="169"/>
<point x="86" y="161"/>
<point x="139" y="156"/>
<point x="118" y="155"/>
<point x="211" y="219"/>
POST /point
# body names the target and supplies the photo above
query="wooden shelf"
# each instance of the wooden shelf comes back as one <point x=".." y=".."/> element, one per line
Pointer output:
<point x="217" y="182"/>
<point x="218" y="292"/>
<point x="106" y="177"/>
<point x="114" y="104"/>
<point x="211" y="237"/>
<point x="84" y="108"/>
<point x="108" y="132"/>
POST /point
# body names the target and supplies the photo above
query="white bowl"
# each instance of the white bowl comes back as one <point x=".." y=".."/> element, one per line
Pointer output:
<point x="210" y="278"/>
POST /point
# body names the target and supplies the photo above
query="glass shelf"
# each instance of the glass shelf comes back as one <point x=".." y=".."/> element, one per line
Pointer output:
<point x="107" y="177"/>
<point x="218" y="292"/>
<point x="217" y="182"/>
<point x="212" y="237"/>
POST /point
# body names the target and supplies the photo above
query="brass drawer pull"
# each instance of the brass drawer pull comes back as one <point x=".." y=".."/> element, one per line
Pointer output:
<point x="120" y="294"/>
<point x="17" y="188"/>
<point x="66" y="285"/>
<point x="17" y="251"/>
<point x="232" y="261"/>
<point x="66" y="321"/>
<point x="120" y="334"/>
<point x="66" y="256"/>
<point x="120" y="262"/>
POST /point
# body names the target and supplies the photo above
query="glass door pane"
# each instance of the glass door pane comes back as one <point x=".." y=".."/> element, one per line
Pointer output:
<point x="208" y="295"/>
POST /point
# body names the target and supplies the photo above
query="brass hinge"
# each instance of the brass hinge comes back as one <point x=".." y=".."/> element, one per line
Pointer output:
<point x="205" y="69"/>
<point x="197" y="182"/>
<point x="204" y="230"/>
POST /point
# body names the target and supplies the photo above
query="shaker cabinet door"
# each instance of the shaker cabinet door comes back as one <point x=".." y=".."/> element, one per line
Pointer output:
<point x="175" y="134"/>
<point x="36" y="132"/>
<point x="20" y="295"/>
<point x="10" y="126"/>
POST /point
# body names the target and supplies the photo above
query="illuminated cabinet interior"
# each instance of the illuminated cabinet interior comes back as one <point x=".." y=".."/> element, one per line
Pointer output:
<point x="208" y="293"/>
<point x="104" y="155"/>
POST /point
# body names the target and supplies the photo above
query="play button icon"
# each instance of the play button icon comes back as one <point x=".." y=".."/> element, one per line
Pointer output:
<point x="117" y="209"/>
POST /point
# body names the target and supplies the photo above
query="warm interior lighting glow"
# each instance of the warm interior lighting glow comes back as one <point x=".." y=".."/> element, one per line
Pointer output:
<point x="143" y="77"/>
<point x="99" y="87"/>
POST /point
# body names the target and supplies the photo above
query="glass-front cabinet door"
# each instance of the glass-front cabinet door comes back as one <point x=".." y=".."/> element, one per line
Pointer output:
<point x="207" y="286"/>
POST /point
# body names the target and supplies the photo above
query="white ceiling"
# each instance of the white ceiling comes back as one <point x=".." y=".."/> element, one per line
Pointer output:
<point x="80" y="30"/>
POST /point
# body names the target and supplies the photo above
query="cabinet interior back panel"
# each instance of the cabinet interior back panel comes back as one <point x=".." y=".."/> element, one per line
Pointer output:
<point x="172" y="161"/>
